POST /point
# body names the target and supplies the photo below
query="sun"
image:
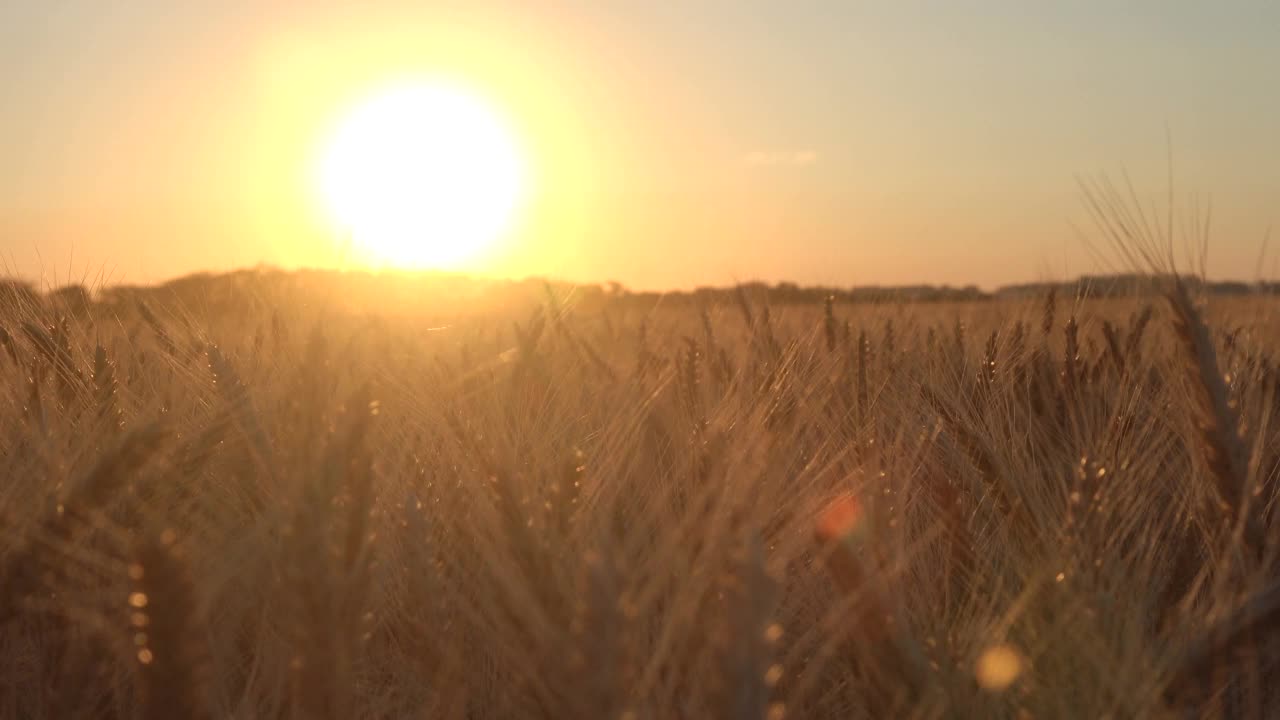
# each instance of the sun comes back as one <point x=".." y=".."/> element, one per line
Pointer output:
<point x="421" y="175"/>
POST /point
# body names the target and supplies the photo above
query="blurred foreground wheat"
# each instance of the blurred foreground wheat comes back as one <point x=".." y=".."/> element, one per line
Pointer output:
<point x="1056" y="508"/>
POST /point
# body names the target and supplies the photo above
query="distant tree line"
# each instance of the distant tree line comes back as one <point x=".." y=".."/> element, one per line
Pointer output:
<point x="262" y="288"/>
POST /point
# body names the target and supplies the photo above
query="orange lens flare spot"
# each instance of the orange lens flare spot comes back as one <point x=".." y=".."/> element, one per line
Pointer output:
<point x="841" y="517"/>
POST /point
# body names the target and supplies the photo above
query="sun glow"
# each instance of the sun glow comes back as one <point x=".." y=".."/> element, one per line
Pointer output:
<point x="421" y="175"/>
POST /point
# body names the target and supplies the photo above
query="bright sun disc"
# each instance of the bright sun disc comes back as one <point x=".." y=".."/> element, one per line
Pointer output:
<point x="422" y="175"/>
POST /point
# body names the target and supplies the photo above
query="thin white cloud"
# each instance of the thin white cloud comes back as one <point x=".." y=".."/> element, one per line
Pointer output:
<point x="780" y="158"/>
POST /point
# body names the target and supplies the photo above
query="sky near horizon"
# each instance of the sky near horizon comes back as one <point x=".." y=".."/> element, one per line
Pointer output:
<point x="667" y="145"/>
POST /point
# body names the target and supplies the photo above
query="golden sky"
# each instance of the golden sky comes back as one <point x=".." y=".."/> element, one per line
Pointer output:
<point x="834" y="142"/>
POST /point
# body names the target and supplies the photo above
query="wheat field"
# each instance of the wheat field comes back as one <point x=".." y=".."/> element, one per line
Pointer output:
<point x="1058" y="507"/>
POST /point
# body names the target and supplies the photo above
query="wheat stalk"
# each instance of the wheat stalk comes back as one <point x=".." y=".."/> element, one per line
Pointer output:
<point x="167" y="632"/>
<point x="31" y="568"/>
<point x="1218" y="432"/>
